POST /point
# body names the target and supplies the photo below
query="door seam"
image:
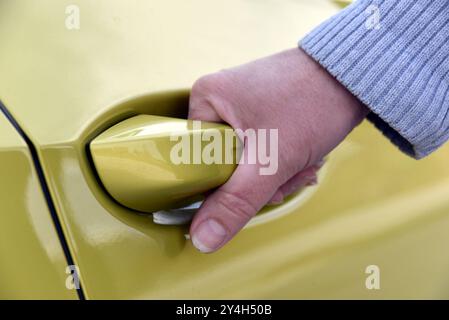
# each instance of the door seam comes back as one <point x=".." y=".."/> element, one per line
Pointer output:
<point x="46" y="191"/>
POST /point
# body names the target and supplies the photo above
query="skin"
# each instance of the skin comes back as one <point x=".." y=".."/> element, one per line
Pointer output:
<point x="288" y="91"/>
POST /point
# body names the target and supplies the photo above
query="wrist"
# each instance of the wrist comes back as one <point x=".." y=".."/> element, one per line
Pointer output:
<point x="334" y="110"/>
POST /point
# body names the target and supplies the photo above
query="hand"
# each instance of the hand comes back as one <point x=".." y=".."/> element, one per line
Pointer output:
<point x="287" y="91"/>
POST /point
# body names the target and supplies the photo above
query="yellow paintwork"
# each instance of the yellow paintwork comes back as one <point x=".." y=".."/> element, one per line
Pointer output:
<point x="133" y="160"/>
<point x="32" y="263"/>
<point x="343" y="3"/>
<point x="372" y="206"/>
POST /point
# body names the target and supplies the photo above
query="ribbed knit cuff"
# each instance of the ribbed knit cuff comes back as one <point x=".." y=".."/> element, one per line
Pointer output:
<point x="394" y="56"/>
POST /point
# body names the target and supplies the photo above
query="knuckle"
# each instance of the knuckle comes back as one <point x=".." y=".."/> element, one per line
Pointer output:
<point x="237" y="205"/>
<point x="214" y="91"/>
<point x="203" y="92"/>
<point x="205" y="85"/>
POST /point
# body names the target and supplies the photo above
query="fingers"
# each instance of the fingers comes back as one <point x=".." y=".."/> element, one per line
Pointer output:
<point x="229" y="208"/>
<point x="304" y="178"/>
<point x="294" y="184"/>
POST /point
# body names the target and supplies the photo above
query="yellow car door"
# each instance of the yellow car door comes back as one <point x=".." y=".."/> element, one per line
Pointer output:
<point x="69" y="70"/>
<point x="34" y="258"/>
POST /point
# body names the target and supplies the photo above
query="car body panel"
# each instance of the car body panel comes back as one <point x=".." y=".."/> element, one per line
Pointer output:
<point x="32" y="262"/>
<point x="373" y="205"/>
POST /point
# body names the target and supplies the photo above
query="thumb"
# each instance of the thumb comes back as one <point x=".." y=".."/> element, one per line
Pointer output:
<point x="230" y="207"/>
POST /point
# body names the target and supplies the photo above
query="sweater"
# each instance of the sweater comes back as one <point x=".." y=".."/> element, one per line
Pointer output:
<point x="393" y="55"/>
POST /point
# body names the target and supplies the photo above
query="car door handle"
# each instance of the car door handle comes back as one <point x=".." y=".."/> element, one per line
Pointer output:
<point x="142" y="161"/>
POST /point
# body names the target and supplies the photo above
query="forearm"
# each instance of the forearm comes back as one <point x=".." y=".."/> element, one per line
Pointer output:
<point x="398" y="68"/>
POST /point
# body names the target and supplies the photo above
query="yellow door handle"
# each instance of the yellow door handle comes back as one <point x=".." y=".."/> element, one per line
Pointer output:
<point x="149" y="163"/>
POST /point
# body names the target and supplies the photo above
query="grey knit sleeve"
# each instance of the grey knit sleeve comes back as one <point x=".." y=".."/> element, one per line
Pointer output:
<point x="394" y="56"/>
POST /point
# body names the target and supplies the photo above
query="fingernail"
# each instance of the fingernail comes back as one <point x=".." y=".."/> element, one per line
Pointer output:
<point x="275" y="202"/>
<point x="277" y="199"/>
<point x="209" y="236"/>
<point x="321" y="163"/>
<point x="311" y="181"/>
